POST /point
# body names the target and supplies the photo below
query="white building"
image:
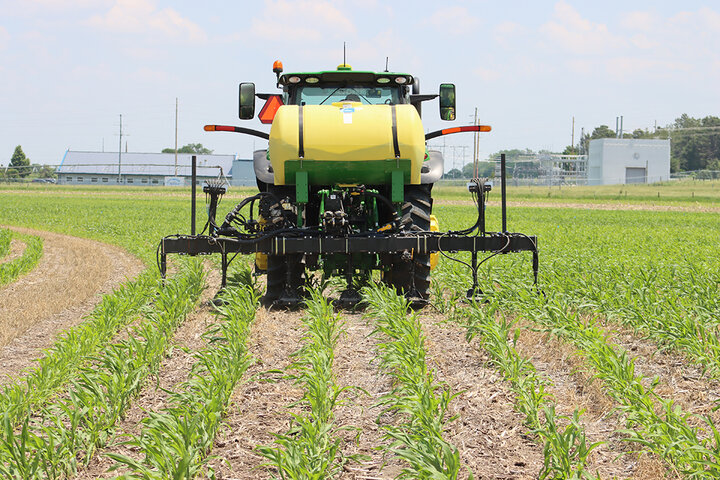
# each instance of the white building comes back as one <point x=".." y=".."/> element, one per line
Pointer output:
<point x="628" y="160"/>
<point x="142" y="169"/>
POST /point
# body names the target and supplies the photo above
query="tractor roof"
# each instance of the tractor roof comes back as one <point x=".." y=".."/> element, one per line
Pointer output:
<point x="345" y="74"/>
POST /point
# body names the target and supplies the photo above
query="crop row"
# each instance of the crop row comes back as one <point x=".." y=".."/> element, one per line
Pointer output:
<point x="66" y="431"/>
<point x="76" y="347"/>
<point x="565" y="448"/>
<point x="175" y="441"/>
<point x="310" y="449"/>
<point x="654" y="422"/>
<point x="11" y="270"/>
<point x="416" y="397"/>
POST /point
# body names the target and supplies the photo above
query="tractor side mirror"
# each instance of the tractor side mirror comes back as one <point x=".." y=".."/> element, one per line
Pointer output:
<point x="247" y="101"/>
<point x="447" y="101"/>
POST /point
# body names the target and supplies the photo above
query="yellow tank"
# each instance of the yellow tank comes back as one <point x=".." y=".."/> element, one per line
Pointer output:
<point x="434" y="227"/>
<point x="346" y="142"/>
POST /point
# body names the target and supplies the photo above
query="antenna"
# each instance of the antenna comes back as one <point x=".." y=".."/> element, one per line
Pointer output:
<point x="387" y="60"/>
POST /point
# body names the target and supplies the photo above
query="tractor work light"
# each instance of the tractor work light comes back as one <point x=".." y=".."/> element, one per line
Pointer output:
<point x="294" y="79"/>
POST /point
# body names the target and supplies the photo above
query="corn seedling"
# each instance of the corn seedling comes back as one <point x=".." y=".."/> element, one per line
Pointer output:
<point x="65" y="433"/>
<point x="415" y="397"/>
<point x="10" y="271"/>
<point x="176" y="440"/>
<point x="309" y="450"/>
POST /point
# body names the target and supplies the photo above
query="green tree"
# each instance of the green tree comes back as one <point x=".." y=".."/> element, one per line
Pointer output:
<point x="20" y="162"/>
<point x="454" y="173"/>
<point x="190" y="148"/>
<point x="695" y="143"/>
<point x="485" y="170"/>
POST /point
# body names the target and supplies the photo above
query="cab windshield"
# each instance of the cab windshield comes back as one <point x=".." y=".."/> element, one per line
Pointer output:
<point x="367" y="95"/>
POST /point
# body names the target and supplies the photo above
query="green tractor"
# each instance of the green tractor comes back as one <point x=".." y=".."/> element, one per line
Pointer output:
<point x="345" y="186"/>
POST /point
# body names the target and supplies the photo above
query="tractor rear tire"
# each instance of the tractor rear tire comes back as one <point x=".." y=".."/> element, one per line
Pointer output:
<point x="285" y="273"/>
<point x="411" y="276"/>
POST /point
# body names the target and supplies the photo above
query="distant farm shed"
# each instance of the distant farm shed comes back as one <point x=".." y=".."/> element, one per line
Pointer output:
<point x="627" y="160"/>
<point x="143" y="169"/>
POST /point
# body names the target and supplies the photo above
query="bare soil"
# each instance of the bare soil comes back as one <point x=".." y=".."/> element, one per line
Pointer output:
<point x="489" y="433"/>
<point x="358" y="419"/>
<point x="66" y="285"/>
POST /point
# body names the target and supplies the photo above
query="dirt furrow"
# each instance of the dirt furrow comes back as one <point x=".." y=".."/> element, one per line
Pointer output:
<point x="489" y="433"/>
<point x="260" y="405"/>
<point x="67" y="284"/>
<point x="174" y="369"/>
<point x="356" y="366"/>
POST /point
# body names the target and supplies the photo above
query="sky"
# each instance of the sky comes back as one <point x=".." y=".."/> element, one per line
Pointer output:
<point x="70" y="68"/>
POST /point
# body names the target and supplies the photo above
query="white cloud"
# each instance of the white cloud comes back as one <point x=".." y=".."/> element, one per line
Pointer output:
<point x="143" y="17"/>
<point x="641" y="41"/>
<point x="640" y="21"/>
<point x="454" y="20"/>
<point x="569" y="31"/>
<point x="301" y="20"/>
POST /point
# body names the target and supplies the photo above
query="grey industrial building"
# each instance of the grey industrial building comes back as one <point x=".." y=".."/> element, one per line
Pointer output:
<point x="628" y="160"/>
<point x="150" y="169"/>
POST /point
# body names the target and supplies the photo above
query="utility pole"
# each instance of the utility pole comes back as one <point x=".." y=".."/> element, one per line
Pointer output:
<point x="120" y="152"/>
<point x="176" y="129"/>
<point x="572" y="138"/>
<point x="475" y="146"/>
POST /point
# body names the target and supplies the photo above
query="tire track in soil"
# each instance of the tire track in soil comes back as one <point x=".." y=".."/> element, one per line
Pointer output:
<point x="489" y="433"/>
<point x="573" y="387"/>
<point x="259" y="406"/>
<point x="67" y="284"/>
<point x="356" y="365"/>
<point x="174" y="369"/>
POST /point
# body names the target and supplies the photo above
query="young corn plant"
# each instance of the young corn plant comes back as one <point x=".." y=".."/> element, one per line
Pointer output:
<point x="10" y="271"/>
<point x="76" y="347"/>
<point x="175" y="441"/>
<point x="65" y="433"/>
<point x="309" y="450"/>
<point x="654" y="422"/>
<point x="415" y="397"/>
<point x="566" y="450"/>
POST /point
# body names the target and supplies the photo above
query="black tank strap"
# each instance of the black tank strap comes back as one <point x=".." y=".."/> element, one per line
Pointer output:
<point x="396" y="144"/>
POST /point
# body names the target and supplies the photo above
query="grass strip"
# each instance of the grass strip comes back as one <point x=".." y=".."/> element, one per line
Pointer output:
<point x="653" y="421"/>
<point x="565" y="449"/>
<point x="175" y="441"/>
<point x="66" y="432"/>
<point x="10" y="271"/>
<point x="5" y="237"/>
<point x="309" y="450"/>
<point x="416" y="397"/>
<point x="75" y="347"/>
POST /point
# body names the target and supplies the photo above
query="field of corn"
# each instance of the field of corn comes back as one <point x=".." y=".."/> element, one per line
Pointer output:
<point x="610" y="370"/>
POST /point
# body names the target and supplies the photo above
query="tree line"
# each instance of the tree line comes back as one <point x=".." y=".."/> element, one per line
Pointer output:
<point x="694" y="145"/>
